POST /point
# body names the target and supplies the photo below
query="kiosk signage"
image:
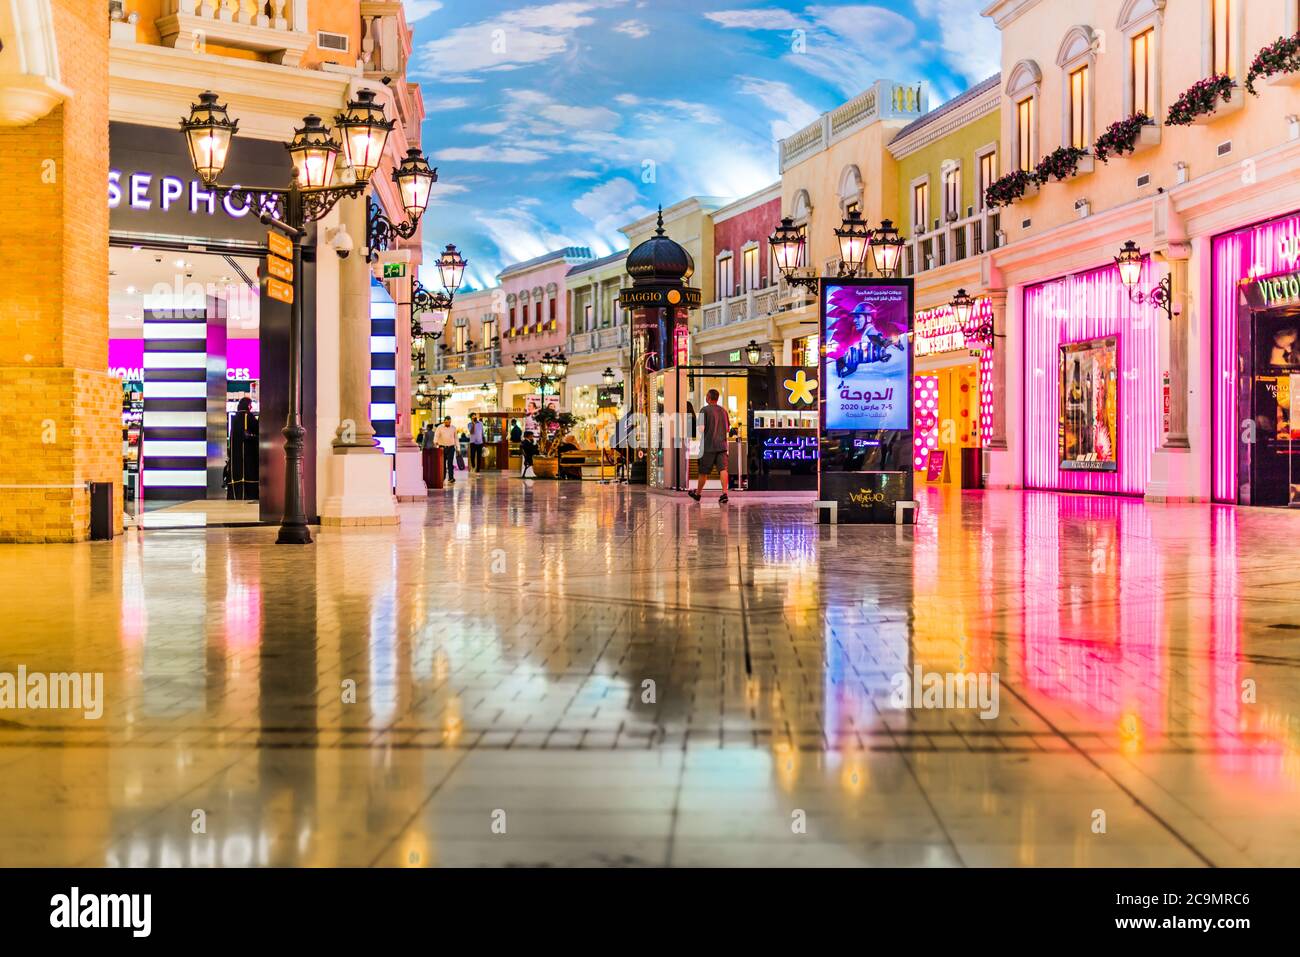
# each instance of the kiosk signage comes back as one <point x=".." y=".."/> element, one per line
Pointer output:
<point x="865" y="465"/>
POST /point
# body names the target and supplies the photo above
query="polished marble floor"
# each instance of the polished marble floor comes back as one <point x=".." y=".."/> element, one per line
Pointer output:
<point x="542" y="673"/>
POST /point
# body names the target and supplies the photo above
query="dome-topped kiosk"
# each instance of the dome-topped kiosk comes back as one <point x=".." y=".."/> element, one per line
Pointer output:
<point x="660" y="303"/>
<point x="660" y="260"/>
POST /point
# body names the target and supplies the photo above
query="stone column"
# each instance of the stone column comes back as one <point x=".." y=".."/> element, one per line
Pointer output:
<point x="354" y="430"/>
<point x="1177" y="257"/>
<point x="359" y="473"/>
<point x="1173" y="465"/>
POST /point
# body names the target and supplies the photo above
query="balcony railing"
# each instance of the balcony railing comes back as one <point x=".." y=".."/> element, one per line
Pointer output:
<point x="597" y="340"/>
<point x="276" y="28"/>
<point x="952" y="242"/>
<point x="464" y="361"/>
<point x="750" y="305"/>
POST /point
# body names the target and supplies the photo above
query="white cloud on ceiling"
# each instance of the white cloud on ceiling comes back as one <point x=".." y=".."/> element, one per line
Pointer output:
<point x="793" y="113"/>
<point x="633" y="28"/>
<point x="419" y="9"/>
<point x="612" y="204"/>
<point x="510" y="40"/>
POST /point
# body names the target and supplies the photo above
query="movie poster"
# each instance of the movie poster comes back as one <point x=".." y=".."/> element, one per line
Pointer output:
<point x="1089" y="406"/>
<point x="867" y="360"/>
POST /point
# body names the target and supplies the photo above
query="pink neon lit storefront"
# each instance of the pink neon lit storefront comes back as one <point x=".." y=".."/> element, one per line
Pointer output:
<point x="1092" y="386"/>
<point x="1256" y="364"/>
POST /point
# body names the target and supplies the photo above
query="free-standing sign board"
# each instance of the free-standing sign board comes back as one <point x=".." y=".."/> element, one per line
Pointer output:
<point x="866" y="409"/>
<point x="934" y="465"/>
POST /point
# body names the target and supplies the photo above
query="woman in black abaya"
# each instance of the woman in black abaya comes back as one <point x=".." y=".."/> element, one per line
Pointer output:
<point x="243" y="453"/>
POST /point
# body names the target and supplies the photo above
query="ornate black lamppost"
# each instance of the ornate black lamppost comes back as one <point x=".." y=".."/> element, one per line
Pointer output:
<point x="443" y="393"/>
<point x="856" y="239"/>
<point x="554" y="369"/>
<point x="451" y="267"/>
<point x="1161" y="296"/>
<point x="976" y="327"/>
<point x="363" y="130"/>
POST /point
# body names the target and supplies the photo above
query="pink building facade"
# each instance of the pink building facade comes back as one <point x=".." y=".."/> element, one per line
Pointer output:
<point x="535" y="318"/>
<point x="1105" y="390"/>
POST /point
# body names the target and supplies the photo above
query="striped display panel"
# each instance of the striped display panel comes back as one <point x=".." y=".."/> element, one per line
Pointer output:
<point x="1079" y="308"/>
<point x="383" y="366"/>
<point x="174" y="440"/>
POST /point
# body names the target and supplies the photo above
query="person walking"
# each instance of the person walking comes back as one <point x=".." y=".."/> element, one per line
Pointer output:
<point x="713" y="445"/>
<point x="516" y="433"/>
<point x="476" y="436"/>
<point x="444" y="436"/>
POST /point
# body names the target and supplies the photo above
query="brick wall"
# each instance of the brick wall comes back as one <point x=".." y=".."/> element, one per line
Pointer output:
<point x="62" y="409"/>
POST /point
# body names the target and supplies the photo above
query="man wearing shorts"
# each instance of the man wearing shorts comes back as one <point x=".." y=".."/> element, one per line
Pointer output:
<point x="713" y="445"/>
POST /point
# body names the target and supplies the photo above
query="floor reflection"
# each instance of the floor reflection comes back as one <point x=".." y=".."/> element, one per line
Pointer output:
<point x="529" y="673"/>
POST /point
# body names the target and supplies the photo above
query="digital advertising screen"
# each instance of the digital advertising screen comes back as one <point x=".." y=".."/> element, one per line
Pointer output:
<point x="1089" y="406"/>
<point x="867" y="362"/>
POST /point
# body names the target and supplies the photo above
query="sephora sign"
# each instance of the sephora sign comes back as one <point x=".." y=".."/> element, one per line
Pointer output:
<point x="153" y="190"/>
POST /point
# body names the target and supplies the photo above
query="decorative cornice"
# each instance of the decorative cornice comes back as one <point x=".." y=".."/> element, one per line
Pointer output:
<point x="988" y="102"/>
<point x="1212" y="204"/>
<point x="747" y="203"/>
<point x="1005" y="12"/>
<point x="155" y="85"/>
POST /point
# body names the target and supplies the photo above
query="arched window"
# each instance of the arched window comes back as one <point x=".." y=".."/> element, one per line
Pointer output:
<point x="1024" y="88"/>
<point x="1141" y="22"/>
<point x="1223" y="35"/>
<point x="850" y="189"/>
<point x="1077" y="59"/>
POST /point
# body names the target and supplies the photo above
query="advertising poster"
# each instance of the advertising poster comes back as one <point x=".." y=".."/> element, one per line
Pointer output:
<point x="1089" y="389"/>
<point x="532" y="403"/>
<point x="867" y="356"/>
<point x="866" y="465"/>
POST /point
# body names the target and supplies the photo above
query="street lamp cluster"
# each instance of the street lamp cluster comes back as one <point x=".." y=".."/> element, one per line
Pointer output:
<point x="424" y="399"/>
<point x="317" y="184"/>
<point x="433" y="306"/>
<point x="855" y="238"/>
<point x="554" y="367"/>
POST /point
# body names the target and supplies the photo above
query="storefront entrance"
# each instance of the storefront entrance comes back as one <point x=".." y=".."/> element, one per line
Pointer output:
<point x="184" y="342"/>
<point x="191" y="334"/>
<point x="952" y="400"/>
<point x="947" y="404"/>
<point x="1270" y="404"/>
<point x="1256" y="379"/>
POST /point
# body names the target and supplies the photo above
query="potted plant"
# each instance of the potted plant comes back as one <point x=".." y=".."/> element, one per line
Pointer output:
<point x="1063" y="163"/>
<point x="1280" y="58"/>
<point x="1010" y="188"/>
<point x="553" y="426"/>
<point x="1126" y="136"/>
<point x="1204" y="101"/>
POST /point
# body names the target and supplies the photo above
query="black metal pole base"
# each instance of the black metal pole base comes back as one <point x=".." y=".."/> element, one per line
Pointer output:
<point x="293" y="526"/>
<point x="293" y="535"/>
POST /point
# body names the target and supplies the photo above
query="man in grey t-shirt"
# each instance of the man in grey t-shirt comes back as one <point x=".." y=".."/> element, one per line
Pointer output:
<point x="713" y="444"/>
